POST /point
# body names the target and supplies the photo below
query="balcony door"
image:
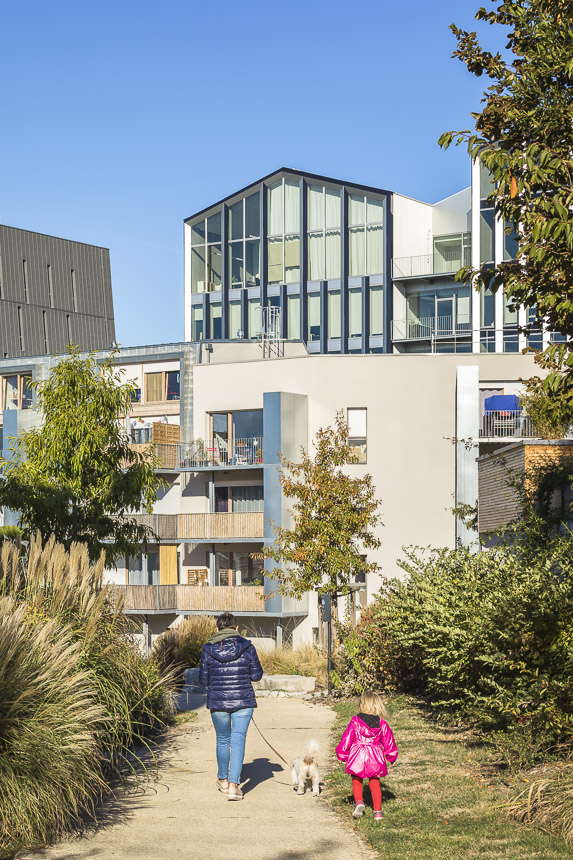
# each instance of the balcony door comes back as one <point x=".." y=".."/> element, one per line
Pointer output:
<point x="444" y="315"/>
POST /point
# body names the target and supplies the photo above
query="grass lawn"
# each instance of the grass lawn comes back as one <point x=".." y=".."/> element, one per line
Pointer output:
<point x="437" y="802"/>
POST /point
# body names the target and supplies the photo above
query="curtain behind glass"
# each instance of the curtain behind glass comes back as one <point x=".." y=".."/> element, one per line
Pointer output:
<point x="275" y="261"/>
<point x="315" y="213"/>
<point x="374" y="250"/>
<point x="334" y="326"/>
<point x="356" y="251"/>
<point x="332" y="208"/>
<point x="252" y="216"/>
<point x="254" y="318"/>
<point x="355" y="209"/>
<point x="354" y="313"/>
<point x="332" y="254"/>
<point x="196" y="323"/>
<point x="293" y="317"/>
<point x="235" y="325"/>
<point x="247" y="499"/>
<point x="292" y="206"/>
<point x="275" y="209"/>
<point x="292" y="259"/>
<point x="153" y="387"/>
<point x="315" y="256"/>
<point x="376" y="310"/>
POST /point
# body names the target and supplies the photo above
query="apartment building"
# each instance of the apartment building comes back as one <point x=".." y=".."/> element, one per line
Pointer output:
<point x="52" y="292"/>
<point x="218" y="418"/>
<point x="350" y="269"/>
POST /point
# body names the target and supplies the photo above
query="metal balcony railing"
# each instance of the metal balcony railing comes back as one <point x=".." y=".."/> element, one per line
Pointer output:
<point x="427" y="328"/>
<point x="205" y="527"/>
<point x="201" y="454"/>
<point x="510" y="425"/>
<point x="422" y="265"/>
<point x="181" y="598"/>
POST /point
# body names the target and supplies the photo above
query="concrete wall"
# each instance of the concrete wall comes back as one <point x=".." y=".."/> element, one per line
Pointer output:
<point x="411" y="402"/>
<point x="453" y="215"/>
<point x="412" y="226"/>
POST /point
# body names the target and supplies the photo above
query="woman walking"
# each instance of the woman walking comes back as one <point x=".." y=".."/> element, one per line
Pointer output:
<point x="229" y="663"/>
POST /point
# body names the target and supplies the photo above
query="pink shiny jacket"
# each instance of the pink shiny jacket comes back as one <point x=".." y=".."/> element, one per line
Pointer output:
<point x="366" y="750"/>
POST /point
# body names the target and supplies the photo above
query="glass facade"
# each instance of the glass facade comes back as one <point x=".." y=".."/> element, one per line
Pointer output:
<point x="286" y="233"/>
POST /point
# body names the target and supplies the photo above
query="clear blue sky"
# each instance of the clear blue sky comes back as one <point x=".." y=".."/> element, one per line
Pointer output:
<point x="119" y="119"/>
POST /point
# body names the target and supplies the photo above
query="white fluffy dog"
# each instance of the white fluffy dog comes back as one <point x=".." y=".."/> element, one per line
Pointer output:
<point x="305" y="769"/>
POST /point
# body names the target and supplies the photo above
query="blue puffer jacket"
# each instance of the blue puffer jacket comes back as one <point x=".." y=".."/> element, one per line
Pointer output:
<point x="226" y="670"/>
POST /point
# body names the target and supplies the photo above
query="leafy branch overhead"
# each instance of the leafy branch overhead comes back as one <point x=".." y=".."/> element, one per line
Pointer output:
<point x="524" y="137"/>
<point x="334" y="515"/>
<point x="76" y="476"/>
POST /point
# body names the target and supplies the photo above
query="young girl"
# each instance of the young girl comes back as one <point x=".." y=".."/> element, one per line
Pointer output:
<point x="366" y="745"/>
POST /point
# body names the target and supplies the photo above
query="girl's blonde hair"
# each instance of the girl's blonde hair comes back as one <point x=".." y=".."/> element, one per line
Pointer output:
<point x="371" y="703"/>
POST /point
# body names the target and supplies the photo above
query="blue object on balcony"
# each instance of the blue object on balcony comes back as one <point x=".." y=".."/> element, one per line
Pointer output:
<point x="502" y="403"/>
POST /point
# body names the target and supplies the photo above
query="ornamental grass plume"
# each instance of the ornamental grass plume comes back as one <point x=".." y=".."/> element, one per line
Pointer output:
<point x="50" y="763"/>
<point x="548" y="803"/>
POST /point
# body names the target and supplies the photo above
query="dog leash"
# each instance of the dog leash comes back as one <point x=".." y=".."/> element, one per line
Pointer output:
<point x="276" y="752"/>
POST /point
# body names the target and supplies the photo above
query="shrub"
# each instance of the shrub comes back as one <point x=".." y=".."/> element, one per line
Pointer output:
<point x="489" y="637"/>
<point x="305" y="660"/>
<point x="180" y="647"/>
<point x="50" y="766"/>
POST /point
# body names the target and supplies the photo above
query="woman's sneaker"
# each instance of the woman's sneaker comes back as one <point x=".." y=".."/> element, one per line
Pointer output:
<point x="378" y="815"/>
<point x="359" y="810"/>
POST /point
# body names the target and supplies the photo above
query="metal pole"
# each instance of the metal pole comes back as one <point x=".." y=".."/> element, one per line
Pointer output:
<point x="327" y="614"/>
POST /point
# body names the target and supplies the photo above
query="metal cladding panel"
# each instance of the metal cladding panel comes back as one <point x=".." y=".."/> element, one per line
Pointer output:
<point x="61" y="278"/>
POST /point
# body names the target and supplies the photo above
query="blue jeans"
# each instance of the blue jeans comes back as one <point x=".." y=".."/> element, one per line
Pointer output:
<point x="231" y="732"/>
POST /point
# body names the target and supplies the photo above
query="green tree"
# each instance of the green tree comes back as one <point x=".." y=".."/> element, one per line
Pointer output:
<point x="76" y="475"/>
<point x="333" y="518"/>
<point x="524" y="137"/>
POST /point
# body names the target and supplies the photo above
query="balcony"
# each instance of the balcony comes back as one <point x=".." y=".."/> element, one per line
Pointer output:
<point x="189" y="598"/>
<point x="510" y="425"/>
<point x="428" y="328"/>
<point x="449" y="254"/>
<point x="195" y="528"/>
<point x="203" y="455"/>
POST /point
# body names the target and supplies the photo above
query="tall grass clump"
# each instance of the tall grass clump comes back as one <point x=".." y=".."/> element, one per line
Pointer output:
<point x="305" y="660"/>
<point x="59" y="599"/>
<point x="548" y="803"/>
<point x="50" y="766"/>
<point x="179" y="648"/>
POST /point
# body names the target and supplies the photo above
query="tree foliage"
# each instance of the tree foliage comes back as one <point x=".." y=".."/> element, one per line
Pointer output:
<point x="76" y="476"/>
<point x="334" y="515"/>
<point x="524" y="136"/>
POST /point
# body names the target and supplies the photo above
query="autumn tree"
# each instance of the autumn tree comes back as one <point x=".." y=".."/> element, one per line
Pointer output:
<point x="524" y="137"/>
<point x="76" y="475"/>
<point x="334" y="515"/>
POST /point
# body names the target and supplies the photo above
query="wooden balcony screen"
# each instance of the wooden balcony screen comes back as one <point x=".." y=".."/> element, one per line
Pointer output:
<point x="242" y="526"/>
<point x="194" y="598"/>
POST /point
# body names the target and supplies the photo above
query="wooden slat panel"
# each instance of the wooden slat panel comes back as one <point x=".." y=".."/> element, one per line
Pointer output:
<point x="178" y="598"/>
<point x="168" y="564"/>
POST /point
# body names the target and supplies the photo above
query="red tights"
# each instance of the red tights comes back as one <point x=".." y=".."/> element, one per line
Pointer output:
<point x="375" y="791"/>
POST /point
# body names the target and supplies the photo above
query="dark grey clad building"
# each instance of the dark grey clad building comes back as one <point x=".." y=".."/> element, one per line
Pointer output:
<point x="52" y="292"/>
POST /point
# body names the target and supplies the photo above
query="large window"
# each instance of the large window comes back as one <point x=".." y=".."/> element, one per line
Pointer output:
<point x="17" y="391"/>
<point x="323" y="210"/>
<point x="238" y="568"/>
<point x="235" y="320"/>
<point x="283" y="228"/>
<point x="206" y="254"/>
<point x="244" y="242"/>
<point x="356" y="420"/>
<point x="365" y="235"/>
<point x="355" y="313"/>
<point x="161" y="386"/>
<point x="487" y="236"/>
